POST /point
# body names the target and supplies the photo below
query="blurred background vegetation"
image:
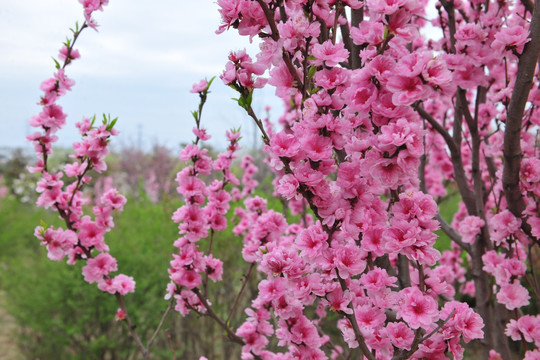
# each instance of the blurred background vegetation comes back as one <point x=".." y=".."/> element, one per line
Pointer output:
<point x="54" y="314"/>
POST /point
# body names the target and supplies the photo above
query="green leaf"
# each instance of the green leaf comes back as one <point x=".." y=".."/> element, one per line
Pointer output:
<point x="56" y="63"/>
<point x="112" y="123"/>
<point x="311" y="72"/>
<point x="249" y="99"/>
<point x="211" y="81"/>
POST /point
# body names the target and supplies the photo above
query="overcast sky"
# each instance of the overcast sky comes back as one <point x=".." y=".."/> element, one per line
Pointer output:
<point x="139" y="67"/>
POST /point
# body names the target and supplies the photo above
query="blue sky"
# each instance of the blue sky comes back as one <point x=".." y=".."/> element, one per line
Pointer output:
<point x="139" y="67"/>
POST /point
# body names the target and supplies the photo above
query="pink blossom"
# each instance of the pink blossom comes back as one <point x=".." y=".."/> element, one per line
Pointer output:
<point x="99" y="267"/>
<point x="377" y="279"/>
<point x="532" y="355"/>
<point x="513" y="295"/>
<point x="214" y="268"/>
<point x="200" y="87"/>
<point x="503" y="225"/>
<point x="470" y="227"/>
<point x="73" y="53"/>
<point x="188" y="278"/>
<point x="287" y="186"/>
<point x="416" y="309"/>
<point x="400" y="334"/>
<point x="312" y="241"/>
<point x="368" y="32"/>
<point x="123" y="284"/>
<point x="329" y="54"/>
<point x="201" y="134"/>
<point x="406" y="90"/>
<point x="464" y="321"/>
<point x="283" y="144"/>
<point x="511" y="38"/>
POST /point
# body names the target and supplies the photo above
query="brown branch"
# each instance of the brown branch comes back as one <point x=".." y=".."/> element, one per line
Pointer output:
<point x="352" y="319"/>
<point x="449" y="7"/>
<point x="452" y="233"/>
<point x="210" y="312"/>
<point x="269" y="14"/>
<point x="512" y="134"/>
<point x="437" y="126"/>
<point x="160" y="325"/>
<point x="528" y="4"/>
<point x="131" y="327"/>
<point x="169" y="337"/>
<point x="244" y="283"/>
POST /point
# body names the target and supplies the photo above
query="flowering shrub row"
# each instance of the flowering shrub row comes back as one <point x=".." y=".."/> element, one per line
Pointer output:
<point x="379" y="122"/>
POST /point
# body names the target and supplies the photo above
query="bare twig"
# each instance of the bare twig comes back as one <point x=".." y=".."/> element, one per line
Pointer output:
<point x="244" y="283"/>
<point x="131" y="327"/>
<point x="160" y="325"/>
<point x="210" y="312"/>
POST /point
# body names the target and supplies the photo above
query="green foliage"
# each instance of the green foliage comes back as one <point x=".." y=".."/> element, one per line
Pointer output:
<point x="448" y="206"/>
<point x="58" y="314"/>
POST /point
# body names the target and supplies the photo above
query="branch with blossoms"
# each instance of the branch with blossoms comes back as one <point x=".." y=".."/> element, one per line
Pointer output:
<point x="378" y="124"/>
<point x="83" y="238"/>
<point x="351" y="148"/>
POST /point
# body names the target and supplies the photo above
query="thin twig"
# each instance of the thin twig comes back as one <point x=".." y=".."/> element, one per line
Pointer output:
<point x="210" y="312"/>
<point x="244" y="283"/>
<point x="131" y="326"/>
<point x="158" y="329"/>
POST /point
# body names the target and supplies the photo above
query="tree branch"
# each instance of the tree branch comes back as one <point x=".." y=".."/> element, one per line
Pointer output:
<point x="512" y="134"/>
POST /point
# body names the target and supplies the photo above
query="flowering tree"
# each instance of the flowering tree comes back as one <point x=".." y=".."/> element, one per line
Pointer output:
<point x="379" y="124"/>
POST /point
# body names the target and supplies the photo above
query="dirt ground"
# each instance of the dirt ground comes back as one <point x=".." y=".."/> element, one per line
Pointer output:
<point x="8" y="348"/>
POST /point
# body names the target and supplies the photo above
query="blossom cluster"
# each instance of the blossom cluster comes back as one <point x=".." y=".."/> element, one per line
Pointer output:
<point x="84" y="235"/>
<point x="381" y="127"/>
<point x="204" y="212"/>
<point x="377" y="123"/>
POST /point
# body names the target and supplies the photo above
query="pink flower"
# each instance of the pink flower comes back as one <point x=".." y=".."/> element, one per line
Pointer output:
<point x="123" y="284"/>
<point x="464" y="321"/>
<point x="406" y="90"/>
<point x="99" y="267"/>
<point x="73" y="53"/>
<point x="201" y="134"/>
<point x="200" y="87"/>
<point x="532" y="355"/>
<point x="470" y="227"/>
<point x="113" y="199"/>
<point x="329" y="54"/>
<point x="511" y="38"/>
<point x="338" y="300"/>
<point x="400" y="334"/>
<point x="214" y="268"/>
<point x="349" y="260"/>
<point x="287" y="186"/>
<point x="503" y="225"/>
<point x="377" y="279"/>
<point x="188" y="278"/>
<point x="416" y="308"/>
<point x="312" y="241"/>
<point x="369" y="317"/>
<point x="513" y="295"/>
<point x="120" y="314"/>
<point x="283" y="144"/>
<point x="370" y="32"/>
